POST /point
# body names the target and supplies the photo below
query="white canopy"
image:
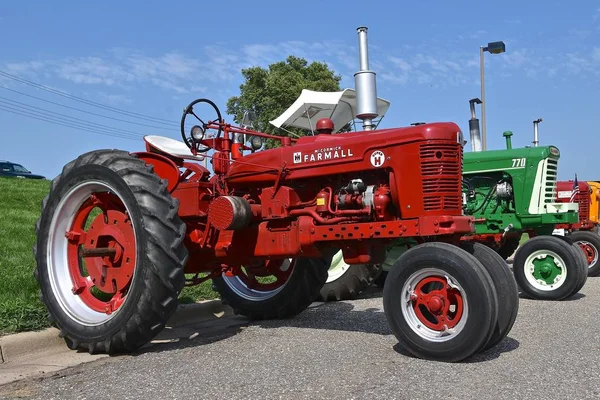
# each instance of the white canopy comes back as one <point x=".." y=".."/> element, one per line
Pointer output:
<point x="311" y="106"/>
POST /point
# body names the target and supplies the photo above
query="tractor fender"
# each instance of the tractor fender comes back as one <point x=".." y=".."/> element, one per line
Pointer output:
<point x="164" y="167"/>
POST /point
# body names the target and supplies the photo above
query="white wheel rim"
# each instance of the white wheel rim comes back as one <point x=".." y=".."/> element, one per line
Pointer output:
<point x="57" y="259"/>
<point x="411" y="318"/>
<point x="239" y="287"/>
<point x="338" y="267"/>
<point x="529" y="268"/>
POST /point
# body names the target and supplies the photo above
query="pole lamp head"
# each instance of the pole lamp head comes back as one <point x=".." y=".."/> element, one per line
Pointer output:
<point x="495" y="47"/>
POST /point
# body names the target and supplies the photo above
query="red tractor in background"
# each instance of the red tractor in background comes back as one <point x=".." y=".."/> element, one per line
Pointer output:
<point x="120" y="231"/>
<point x="583" y="232"/>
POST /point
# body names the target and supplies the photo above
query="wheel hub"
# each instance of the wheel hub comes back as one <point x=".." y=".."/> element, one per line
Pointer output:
<point x="437" y="303"/>
<point x="589" y="251"/>
<point x="102" y="257"/>
<point x="547" y="269"/>
<point x="110" y="266"/>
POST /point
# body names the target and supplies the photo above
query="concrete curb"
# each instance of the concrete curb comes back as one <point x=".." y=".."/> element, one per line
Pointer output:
<point x="24" y="344"/>
<point x="30" y="353"/>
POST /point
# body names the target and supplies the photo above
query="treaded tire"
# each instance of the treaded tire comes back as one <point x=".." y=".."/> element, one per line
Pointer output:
<point x="593" y="240"/>
<point x="482" y="301"/>
<point x="506" y="287"/>
<point x="158" y="277"/>
<point x="583" y="264"/>
<point x="560" y="246"/>
<point x="301" y="289"/>
<point x="350" y="283"/>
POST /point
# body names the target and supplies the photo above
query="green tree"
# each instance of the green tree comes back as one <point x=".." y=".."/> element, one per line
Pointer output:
<point x="269" y="92"/>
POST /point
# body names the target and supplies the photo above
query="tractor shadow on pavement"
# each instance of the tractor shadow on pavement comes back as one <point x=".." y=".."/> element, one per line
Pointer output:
<point x="347" y="316"/>
<point x="344" y="316"/>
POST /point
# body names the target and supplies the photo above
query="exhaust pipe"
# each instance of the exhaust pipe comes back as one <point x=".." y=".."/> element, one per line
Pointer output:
<point x="536" y="139"/>
<point x="364" y="82"/>
<point x="474" y="127"/>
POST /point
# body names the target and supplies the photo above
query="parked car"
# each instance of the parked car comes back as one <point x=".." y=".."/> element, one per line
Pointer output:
<point x="14" y="170"/>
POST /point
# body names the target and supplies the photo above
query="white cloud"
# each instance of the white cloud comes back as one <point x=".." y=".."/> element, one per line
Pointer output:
<point x="179" y="74"/>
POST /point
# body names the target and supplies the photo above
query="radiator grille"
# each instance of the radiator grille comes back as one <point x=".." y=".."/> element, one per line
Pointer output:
<point x="550" y="183"/>
<point x="583" y="198"/>
<point x="441" y="171"/>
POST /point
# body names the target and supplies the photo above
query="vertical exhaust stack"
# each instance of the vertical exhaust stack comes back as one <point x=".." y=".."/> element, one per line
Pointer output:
<point x="474" y="127"/>
<point x="364" y="82"/>
<point x="536" y="139"/>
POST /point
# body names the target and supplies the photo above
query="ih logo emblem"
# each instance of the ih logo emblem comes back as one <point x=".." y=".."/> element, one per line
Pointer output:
<point x="377" y="158"/>
<point x="297" y="157"/>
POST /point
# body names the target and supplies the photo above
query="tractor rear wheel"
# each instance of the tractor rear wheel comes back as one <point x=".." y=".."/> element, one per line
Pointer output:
<point x="345" y="281"/>
<point x="506" y="287"/>
<point x="590" y="244"/>
<point x="109" y="252"/>
<point x="274" y="289"/>
<point x="440" y="302"/>
<point x="548" y="268"/>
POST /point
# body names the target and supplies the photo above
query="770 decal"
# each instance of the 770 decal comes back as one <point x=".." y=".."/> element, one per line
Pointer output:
<point x="519" y="162"/>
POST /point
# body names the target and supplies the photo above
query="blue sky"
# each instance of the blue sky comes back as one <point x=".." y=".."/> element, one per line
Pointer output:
<point x="154" y="57"/>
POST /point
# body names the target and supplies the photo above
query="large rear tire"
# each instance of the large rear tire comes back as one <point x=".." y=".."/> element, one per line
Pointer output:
<point x="297" y="286"/>
<point x="110" y="278"/>
<point x="547" y="268"/>
<point x="506" y="287"/>
<point x="345" y="281"/>
<point x="590" y="244"/>
<point x="440" y="302"/>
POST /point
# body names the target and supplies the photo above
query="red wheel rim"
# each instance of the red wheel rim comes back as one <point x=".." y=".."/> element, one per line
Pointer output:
<point x="101" y="253"/>
<point x="589" y="251"/>
<point x="437" y="305"/>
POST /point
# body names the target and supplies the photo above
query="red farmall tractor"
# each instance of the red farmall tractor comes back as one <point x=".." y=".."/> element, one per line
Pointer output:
<point x="584" y="231"/>
<point x="119" y="231"/>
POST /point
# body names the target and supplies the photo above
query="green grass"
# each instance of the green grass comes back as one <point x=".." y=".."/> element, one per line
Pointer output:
<point x="20" y="204"/>
<point x="199" y="292"/>
<point x="20" y="306"/>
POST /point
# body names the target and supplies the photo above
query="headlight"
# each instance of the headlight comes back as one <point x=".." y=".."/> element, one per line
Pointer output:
<point x="197" y="133"/>
<point x="256" y="142"/>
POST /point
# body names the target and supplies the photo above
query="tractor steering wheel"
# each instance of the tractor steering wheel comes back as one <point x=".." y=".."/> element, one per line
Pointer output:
<point x="190" y="141"/>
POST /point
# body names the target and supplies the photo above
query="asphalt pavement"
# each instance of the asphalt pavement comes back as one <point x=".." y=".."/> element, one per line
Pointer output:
<point x="345" y="351"/>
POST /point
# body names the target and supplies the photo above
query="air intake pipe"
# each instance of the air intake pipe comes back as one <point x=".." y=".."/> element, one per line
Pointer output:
<point x="364" y="82"/>
<point x="536" y="139"/>
<point x="474" y="127"/>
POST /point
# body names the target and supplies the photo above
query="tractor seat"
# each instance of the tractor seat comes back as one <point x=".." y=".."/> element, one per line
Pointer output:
<point x="172" y="147"/>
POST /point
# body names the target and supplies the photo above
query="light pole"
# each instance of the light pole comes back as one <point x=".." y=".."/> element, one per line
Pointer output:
<point x="492" y="48"/>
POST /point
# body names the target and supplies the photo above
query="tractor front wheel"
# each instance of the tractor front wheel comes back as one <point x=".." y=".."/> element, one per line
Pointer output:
<point x="345" y="281"/>
<point x="109" y="252"/>
<point x="548" y="268"/>
<point x="440" y="302"/>
<point x="590" y="244"/>
<point x="506" y="287"/>
<point x="274" y="289"/>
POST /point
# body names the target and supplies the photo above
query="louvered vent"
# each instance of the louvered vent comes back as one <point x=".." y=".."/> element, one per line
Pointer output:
<point x="441" y="171"/>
